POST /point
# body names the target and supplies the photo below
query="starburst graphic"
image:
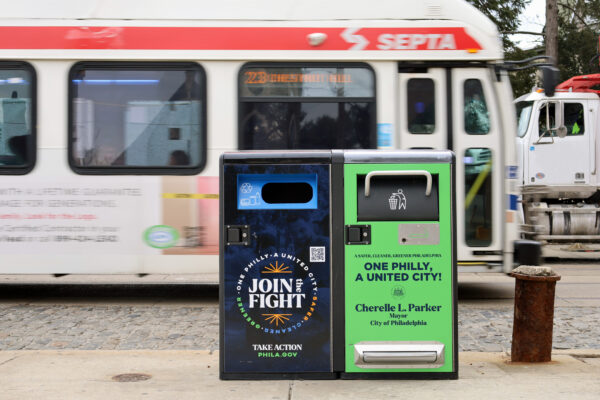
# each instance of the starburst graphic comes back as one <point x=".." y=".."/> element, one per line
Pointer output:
<point x="277" y="318"/>
<point x="276" y="269"/>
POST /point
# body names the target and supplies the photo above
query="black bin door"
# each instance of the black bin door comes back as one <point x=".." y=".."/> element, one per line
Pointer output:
<point x="398" y="198"/>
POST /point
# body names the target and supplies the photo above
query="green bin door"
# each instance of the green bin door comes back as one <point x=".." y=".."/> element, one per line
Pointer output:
<point x="400" y="271"/>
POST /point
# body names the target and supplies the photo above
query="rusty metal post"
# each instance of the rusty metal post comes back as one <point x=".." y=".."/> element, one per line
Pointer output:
<point x="534" y="314"/>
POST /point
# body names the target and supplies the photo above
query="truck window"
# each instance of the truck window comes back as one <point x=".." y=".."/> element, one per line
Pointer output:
<point x="421" y="105"/>
<point x="523" y="114"/>
<point x="549" y="115"/>
<point x="307" y="106"/>
<point x="477" y="119"/>
<point x="574" y="120"/>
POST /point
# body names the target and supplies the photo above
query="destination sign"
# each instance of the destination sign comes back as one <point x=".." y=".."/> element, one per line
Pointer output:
<point x="307" y="82"/>
<point x="262" y="77"/>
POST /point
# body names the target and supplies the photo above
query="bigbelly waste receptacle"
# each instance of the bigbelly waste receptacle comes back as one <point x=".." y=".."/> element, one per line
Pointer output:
<point x="275" y="266"/>
<point x="338" y="264"/>
<point x="400" y="266"/>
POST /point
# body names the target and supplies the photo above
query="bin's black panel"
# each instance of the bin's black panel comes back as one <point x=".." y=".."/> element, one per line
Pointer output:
<point x="398" y="198"/>
<point x="276" y="291"/>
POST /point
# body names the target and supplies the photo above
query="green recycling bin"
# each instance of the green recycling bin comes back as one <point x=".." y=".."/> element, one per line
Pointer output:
<point x="399" y="265"/>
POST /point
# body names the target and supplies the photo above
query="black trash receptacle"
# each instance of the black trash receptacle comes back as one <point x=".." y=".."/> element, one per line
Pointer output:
<point x="275" y="299"/>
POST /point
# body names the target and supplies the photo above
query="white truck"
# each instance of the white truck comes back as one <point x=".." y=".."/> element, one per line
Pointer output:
<point x="558" y="148"/>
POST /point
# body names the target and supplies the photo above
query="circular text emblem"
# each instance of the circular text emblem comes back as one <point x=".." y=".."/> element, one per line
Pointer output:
<point x="277" y="293"/>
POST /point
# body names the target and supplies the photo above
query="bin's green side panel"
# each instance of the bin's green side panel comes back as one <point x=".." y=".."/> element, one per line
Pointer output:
<point x="412" y="290"/>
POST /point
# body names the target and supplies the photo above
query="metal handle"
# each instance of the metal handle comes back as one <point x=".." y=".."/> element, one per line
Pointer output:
<point x="397" y="173"/>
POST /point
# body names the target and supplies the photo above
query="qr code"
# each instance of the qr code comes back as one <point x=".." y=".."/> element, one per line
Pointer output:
<point x="317" y="254"/>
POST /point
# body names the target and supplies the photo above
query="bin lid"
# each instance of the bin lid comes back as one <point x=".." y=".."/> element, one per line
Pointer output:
<point x="278" y="156"/>
<point x="399" y="156"/>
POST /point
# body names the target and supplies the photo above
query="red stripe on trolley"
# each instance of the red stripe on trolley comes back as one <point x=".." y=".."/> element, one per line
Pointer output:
<point x="232" y="38"/>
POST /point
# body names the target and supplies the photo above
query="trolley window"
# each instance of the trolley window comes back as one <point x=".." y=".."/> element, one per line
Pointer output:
<point x="477" y="116"/>
<point x="478" y="197"/>
<point x="17" y="118"/>
<point x="140" y="118"/>
<point x="421" y="105"/>
<point x="307" y="106"/>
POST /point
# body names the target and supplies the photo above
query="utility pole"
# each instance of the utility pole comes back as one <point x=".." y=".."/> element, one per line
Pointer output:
<point x="552" y="29"/>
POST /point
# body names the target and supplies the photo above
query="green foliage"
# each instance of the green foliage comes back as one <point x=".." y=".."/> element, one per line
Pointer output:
<point x="523" y="81"/>
<point x="578" y="30"/>
<point x="504" y="13"/>
<point x="576" y="49"/>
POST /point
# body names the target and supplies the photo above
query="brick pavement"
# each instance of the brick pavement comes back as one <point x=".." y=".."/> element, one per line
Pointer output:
<point x="193" y="327"/>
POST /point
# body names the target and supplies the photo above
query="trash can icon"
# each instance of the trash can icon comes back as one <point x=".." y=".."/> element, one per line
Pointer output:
<point x="393" y="202"/>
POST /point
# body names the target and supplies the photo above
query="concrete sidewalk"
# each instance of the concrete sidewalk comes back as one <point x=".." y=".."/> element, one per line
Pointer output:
<point x="180" y="375"/>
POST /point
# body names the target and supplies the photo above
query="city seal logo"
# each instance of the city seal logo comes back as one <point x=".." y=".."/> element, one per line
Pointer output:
<point x="277" y="293"/>
<point x="398" y="291"/>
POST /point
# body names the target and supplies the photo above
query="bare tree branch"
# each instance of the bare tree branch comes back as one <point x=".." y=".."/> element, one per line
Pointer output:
<point x="574" y="13"/>
<point x="523" y="33"/>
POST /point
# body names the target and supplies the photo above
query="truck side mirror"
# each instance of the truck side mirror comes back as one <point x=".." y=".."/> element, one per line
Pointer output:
<point x="561" y="131"/>
<point x="550" y="76"/>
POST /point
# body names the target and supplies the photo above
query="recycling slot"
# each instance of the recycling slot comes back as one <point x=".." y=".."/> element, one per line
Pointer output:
<point x="275" y="293"/>
<point x="399" y="265"/>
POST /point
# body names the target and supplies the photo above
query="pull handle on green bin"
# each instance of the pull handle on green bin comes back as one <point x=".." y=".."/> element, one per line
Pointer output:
<point x="397" y="173"/>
